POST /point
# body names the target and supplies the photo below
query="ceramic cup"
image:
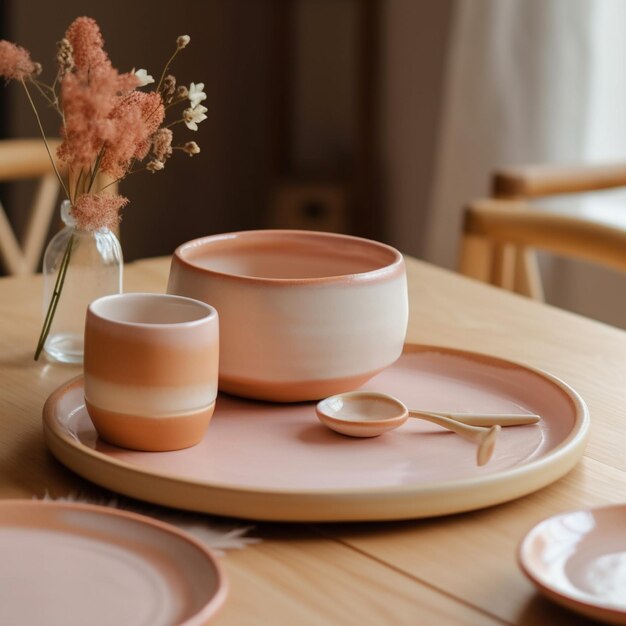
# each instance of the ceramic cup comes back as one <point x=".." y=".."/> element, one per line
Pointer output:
<point x="303" y="315"/>
<point x="151" y="364"/>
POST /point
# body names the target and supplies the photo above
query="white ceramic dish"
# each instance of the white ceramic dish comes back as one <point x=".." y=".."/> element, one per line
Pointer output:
<point x="277" y="462"/>
<point x="303" y="315"/>
<point x="578" y="559"/>
<point x="74" y="564"/>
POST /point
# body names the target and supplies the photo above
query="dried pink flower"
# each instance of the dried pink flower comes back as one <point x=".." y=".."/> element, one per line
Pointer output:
<point x="65" y="56"/>
<point x="162" y="143"/>
<point x="191" y="148"/>
<point x="89" y="101"/>
<point x="133" y="122"/>
<point x="182" y="41"/>
<point x="93" y="211"/>
<point x="155" y="166"/>
<point x="87" y="44"/>
<point x="15" y="61"/>
<point x="169" y="86"/>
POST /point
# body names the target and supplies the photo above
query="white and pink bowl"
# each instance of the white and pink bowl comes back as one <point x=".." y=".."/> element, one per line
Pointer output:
<point x="303" y="315"/>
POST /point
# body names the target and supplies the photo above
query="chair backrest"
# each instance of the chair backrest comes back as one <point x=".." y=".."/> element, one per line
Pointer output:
<point x="501" y="234"/>
<point x="534" y="181"/>
<point x="22" y="159"/>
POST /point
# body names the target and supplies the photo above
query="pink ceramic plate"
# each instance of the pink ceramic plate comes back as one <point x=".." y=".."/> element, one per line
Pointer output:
<point x="578" y="559"/>
<point x="75" y="565"/>
<point x="277" y="462"/>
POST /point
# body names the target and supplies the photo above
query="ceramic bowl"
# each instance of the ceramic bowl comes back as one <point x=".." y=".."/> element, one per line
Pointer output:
<point x="151" y="365"/>
<point x="303" y="315"/>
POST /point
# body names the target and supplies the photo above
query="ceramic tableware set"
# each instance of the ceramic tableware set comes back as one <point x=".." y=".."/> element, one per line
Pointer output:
<point x="281" y="321"/>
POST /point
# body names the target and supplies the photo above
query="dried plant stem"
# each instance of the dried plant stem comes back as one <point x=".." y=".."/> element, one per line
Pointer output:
<point x="56" y="80"/>
<point x="54" y="300"/>
<point x="167" y="67"/>
<point x="117" y="180"/>
<point x="78" y="182"/>
<point x="44" y="95"/>
<point x="96" y="166"/>
<point x="45" y="140"/>
<point x="174" y="102"/>
<point x="174" y="123"/>
<point x="53" y="98"/>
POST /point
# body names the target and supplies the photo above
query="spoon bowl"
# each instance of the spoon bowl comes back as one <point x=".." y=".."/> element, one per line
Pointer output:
<point x="362" y="413"/>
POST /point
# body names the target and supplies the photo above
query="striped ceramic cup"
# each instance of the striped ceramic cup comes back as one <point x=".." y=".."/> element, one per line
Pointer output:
<point x="151" y="364"/>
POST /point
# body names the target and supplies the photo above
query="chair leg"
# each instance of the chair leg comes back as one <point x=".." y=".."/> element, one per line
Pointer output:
<point x="10" y="251"/>
<point x="503" y="269"/>
<point x="527" y="275"/>
<point x="39" y="222"/>
<point x="476" y="258"/>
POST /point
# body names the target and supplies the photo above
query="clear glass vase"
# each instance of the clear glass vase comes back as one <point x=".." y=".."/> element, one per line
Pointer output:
<point x="94" y="269"/>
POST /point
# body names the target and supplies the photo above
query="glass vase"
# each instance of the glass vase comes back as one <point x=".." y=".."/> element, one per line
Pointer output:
<point x="94" y="269"/>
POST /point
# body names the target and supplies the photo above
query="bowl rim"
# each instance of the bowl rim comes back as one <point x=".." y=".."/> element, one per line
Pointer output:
<point x="390" y="270"/>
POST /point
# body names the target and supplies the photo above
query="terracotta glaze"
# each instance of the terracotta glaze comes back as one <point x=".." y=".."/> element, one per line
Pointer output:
<point x="303" y="315"/>
<point x="151" y="367"/>
<point x="77" y="564"/>
<point x="277" y="462"/>
<point x="145" y="432"/>
<point x="578" y="559"/>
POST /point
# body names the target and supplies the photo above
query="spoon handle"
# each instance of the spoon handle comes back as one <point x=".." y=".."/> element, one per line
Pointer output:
<point x="467" y="431"/>
<point x="486" y="419"/>
<point x="484" y="438"/>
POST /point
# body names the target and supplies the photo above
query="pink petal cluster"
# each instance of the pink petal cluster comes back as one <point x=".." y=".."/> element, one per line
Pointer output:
<point x="87" y="45"/>
<point x="105" y="118"/>
<point x="90" y="95"/>
<point x="133" y="121"/>
<point x="87" y="107"/>
<point x="93" y="211"/>
<point x="15" y="61"/>
<point x="162" y="143"/>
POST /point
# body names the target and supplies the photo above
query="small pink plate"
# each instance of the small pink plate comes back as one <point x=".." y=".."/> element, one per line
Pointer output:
<point x="78" y="564"/>
<point x="578" y="559"/>
<point x="277" y="462"/>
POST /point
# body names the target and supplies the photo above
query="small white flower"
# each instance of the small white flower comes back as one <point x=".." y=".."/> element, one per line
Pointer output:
<point x="143" y="77"/>
<point x="196" y="94"/>
<point x="182" y="41"/>
<point x="192" y="117"/>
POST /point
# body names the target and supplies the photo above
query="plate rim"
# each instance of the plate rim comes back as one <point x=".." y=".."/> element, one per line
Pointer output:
<point x="560" y="460"/>
<point x="573" y="602"/>
<point x="215" y="602"/>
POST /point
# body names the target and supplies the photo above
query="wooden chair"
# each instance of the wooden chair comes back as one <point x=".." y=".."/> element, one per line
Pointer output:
<point x="501" y="234"/>
<point x="22" y="159"/>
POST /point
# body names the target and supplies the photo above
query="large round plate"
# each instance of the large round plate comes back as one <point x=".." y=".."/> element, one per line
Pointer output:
<point x="578" y="559"/>
<point x="277" y="462"/>
<point x="74" y="564"/>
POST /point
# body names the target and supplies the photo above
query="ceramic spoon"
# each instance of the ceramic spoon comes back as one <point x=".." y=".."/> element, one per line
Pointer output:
<point x="369" y="414"/>
<point x="473" y="419"/>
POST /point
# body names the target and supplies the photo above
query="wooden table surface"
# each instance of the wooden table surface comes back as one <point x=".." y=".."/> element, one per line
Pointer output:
<point x="459" y="569"/>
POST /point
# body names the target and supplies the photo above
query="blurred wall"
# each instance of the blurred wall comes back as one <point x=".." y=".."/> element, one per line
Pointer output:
<point x="233" y="51"/>
<point x="415" y="38"/>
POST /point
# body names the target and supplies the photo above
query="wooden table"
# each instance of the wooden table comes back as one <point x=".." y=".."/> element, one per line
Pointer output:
<point x="454" y="570"/>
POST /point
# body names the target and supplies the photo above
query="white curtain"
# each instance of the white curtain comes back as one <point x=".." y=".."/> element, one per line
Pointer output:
<point x="531" y="81"/>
